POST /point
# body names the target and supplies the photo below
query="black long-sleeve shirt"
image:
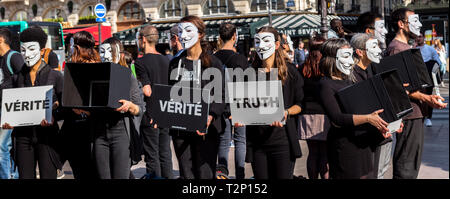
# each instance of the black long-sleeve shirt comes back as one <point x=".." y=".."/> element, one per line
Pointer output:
<point x="192" y="76"/>
<point x="276" y="136"/>
<point x="151" y="69"/>
<point x="311" y="102"/>
<point x="328" y="90"/>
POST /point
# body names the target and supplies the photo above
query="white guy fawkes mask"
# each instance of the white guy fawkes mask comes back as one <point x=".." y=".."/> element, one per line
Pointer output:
<point x="380" y="31"/>
<point x="414" y="24"/>
<point x="265" y="44"/>
<point x="373" y="50"/>
<point x="188" y="34"/>
<point x="237" y="38"/>
<point x="31" y="52"/>
<point x="106" y="53"/>
<point x="344" y="60"/>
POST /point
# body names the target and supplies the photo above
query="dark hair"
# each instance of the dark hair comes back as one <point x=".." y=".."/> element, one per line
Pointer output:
<point x="84" y="51"/>
<point x="327" y="63"/>
<point x="34" y="33"/>
<point x="128" y="57"/>
<point x="334" y="23"/>
<point x="205" y="56"/>
<point x="398" y="15"/>
<point x="366" y="20"/>
<point x="226" y="31"/>
<point x="5" y="33"/>
<point x="311" y="66"/>
<point x="280" y="61"/>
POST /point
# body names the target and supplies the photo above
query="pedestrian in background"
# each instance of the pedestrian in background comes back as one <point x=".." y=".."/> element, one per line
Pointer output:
<point x="153" y="68"/>
<point x="11" y="63"/>
<point x="431" y="57"/>
<point x="313" y="123"/>
<point x="232" y="60"/>
<point x="299" y="55"/>
<point x="443" y="57"/>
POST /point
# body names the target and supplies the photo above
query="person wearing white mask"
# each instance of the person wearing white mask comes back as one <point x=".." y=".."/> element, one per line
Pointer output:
<point x="373" y="24"/>
<point x="349" y="155"/>
<point x="197" y="151"/>
<point x="409" y="144"/>
<point x="111" y="130"/>
<point x="273" y="149"/>
<point x="37" y="145"/>
<point x="367" y="52"/>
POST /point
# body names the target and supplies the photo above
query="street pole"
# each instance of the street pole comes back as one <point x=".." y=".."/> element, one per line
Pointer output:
<point x="99" y="33"/>
<point x="324" y="21"/>
<point x="382" y="8"/>
<point x="269" y="3"/>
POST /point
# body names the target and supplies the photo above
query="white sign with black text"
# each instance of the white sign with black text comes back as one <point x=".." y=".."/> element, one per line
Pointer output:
<point x="256" y="102"/>
<point x="27" y="106"/>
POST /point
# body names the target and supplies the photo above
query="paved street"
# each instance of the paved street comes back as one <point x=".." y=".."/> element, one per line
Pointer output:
<point x="435" y="159"/>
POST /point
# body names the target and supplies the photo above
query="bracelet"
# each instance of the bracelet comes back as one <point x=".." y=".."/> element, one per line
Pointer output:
<point x="287" y="115"/>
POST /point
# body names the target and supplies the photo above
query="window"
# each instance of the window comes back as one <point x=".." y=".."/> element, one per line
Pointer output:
<point x="20" y="16"/>
<point x="262" y="5"/>
<point x="218" y="7"/>
<point x="88" y="11"/>
<point x="171" y="8"/>
<point x="131" y="11"/>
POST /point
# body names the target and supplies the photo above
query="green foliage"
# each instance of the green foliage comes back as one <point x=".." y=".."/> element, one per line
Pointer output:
<point x="60" y="19"/>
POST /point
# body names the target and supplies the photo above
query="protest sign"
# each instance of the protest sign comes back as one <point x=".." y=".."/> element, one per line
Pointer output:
<point x="256" y="102"/>
<point x="169" y="112"/>
<point x="27" y="106"/>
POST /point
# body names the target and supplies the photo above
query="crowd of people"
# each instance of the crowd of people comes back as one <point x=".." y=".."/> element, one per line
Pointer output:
<point x="102" y="144"/>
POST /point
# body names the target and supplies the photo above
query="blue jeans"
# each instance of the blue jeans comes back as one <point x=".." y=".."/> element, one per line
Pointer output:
<point x="7" y="170"/>
<point x="240" y="148"/>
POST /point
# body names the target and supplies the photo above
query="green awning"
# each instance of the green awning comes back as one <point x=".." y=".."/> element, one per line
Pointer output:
<point x="299" y="24"/>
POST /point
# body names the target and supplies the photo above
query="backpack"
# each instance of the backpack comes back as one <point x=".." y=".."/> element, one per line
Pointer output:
<point x="8" y="61"/>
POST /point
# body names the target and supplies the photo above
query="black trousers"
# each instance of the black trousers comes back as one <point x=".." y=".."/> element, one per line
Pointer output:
<point x="197" y="155"/>
<point x="408" y="150"/>
<point x="158" y="156"/>
<point x="78" y="149"/>
<point x="112" y="152"/>
<point x="272" y="162"/>
<point x="32" y="149"/>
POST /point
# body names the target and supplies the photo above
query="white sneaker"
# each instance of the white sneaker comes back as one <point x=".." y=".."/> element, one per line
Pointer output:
<point x="428" y="123"/>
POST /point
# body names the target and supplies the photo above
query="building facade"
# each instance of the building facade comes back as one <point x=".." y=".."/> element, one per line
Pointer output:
<point x="124" y="14"/>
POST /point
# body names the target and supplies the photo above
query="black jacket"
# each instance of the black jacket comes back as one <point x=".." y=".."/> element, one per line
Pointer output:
<point x="49" y="135"/>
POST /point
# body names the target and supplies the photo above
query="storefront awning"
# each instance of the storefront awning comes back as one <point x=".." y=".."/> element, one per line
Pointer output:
<point x="106" y="32"/>
<point x="300" y="24"/>
<point x="128" y="37"/>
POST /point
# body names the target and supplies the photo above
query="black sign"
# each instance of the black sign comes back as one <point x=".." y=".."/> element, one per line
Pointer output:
<point x="96" y="85"/>
<point x="188" y="115"/>
<point x="410" y="67"/>
<point x="383" y="91"/>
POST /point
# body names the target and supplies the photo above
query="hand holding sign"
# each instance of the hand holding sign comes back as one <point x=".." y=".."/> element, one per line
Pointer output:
<point x="7" y="126"/>
<point x="210" y="118"/>
<point x="279" y="123"/>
